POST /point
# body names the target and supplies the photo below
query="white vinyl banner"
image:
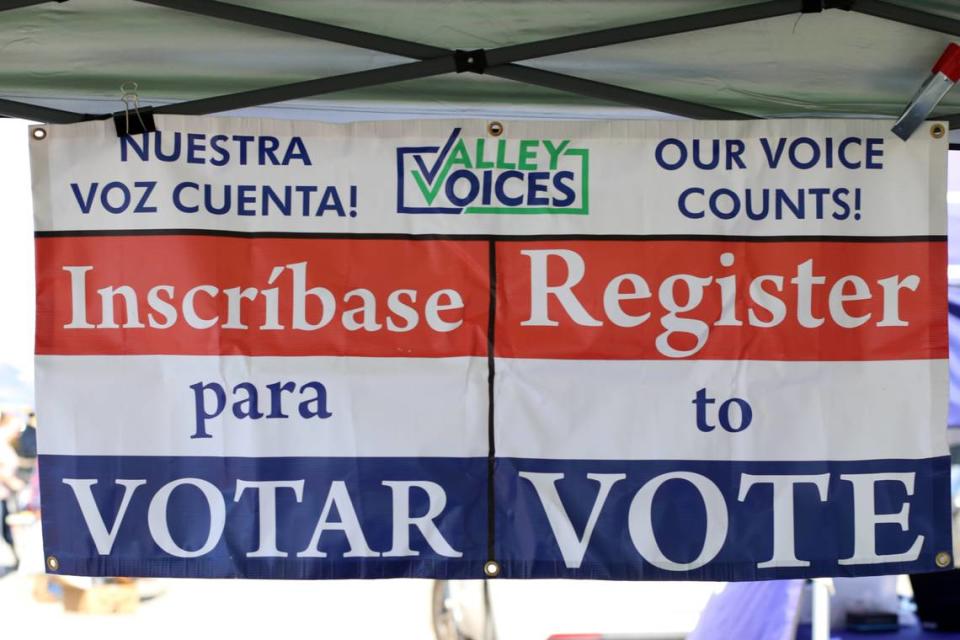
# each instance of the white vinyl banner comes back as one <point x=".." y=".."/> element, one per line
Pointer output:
<point x="620" y="350"/>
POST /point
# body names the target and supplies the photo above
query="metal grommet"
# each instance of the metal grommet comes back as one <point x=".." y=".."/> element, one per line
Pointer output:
<point x="52" y="563"/>
<point x="39" y="133"/>
<point x="943" y="559"/>
<point x="495" y="129"/>
<point x="937" y="131"/>
<point x="491" y="568"/>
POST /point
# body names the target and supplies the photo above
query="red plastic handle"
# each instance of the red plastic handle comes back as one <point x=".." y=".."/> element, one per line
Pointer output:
<point x="949" y="62"/>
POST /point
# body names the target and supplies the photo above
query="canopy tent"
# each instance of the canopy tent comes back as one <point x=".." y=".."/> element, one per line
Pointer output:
<point x="66" y="61"/>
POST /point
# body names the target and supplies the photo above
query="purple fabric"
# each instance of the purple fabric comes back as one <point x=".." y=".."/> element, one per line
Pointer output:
<point x="953" y="328"/>
<point x="751" y="611"/>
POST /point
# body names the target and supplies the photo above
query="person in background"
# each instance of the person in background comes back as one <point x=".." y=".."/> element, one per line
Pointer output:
<point x="10" y="482"/>
<point x="26" y="447"/>
<point x="27" y="450"/>
<point x="27" y="441"/>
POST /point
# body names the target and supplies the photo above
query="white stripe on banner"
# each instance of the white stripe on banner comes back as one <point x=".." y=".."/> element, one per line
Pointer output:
<point x="641" y="175"/>
<point x="646" y="410"/>
<point x="158" y="405"/>
<point x="615" y="410"/>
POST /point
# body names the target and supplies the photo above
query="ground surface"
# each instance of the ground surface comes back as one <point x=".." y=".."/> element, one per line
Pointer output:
<point x="395" y="609"/>
<point x="212" y="609"/>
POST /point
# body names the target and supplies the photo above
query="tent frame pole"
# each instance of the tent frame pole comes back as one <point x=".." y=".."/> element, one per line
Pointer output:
<point x="7" y="5"/>
<point x="14" y="109"/>
<point x="331" y="84"/>
<point x="907" y="15"/>
<point x="503" y="66"/>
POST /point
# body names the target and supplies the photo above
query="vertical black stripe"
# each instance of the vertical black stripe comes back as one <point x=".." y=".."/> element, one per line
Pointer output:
<point x="491" y="372"/>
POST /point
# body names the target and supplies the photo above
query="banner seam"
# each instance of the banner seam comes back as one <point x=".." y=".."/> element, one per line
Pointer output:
<point x="491" y="374"/>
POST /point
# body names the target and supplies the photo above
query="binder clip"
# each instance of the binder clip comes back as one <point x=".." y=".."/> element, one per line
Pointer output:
<point x="142" y="122"/>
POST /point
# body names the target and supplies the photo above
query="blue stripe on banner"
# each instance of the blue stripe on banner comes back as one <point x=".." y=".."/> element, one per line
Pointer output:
<point x="630" y="499"/>
<point x="408" y="550"/>
<point x="427" y="517"/>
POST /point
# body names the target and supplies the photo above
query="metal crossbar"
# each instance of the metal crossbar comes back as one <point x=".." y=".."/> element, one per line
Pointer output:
<point x="14" y="109"/>
<point x="6" y="5"/>
<point x="371" y="78"/>
<point x="641" y="31"/>
<point x="613" y="93"/>
<point x="302" y="27"/>
<point x="500" y="61"/>
<point x="906" y="15"/>
<point x="501" y="66"/>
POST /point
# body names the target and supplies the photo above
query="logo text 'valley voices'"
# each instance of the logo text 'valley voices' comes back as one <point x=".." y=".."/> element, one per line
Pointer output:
<point x="493" y="176"/>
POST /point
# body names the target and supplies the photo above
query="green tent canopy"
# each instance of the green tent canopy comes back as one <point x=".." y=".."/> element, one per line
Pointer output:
<point x="337" y="60"/>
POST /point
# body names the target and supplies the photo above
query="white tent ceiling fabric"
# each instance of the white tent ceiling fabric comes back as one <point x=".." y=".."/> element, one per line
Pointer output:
<point x="75" y="55"/>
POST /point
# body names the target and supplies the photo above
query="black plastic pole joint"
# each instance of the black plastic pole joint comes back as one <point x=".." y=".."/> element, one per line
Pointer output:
<point x="817" y="6"/>
<point x="470" y="61"/>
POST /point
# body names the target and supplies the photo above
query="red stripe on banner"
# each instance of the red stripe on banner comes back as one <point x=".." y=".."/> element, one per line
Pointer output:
<point x="787" y="300"/>
<point x="218" y="295"/>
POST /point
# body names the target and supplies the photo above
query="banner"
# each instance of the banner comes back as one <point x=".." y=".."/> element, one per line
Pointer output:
<point x="619" y="350"/>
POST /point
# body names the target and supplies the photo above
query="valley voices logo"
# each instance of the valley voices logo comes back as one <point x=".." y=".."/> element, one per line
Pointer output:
<point x="494" y="176"/>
